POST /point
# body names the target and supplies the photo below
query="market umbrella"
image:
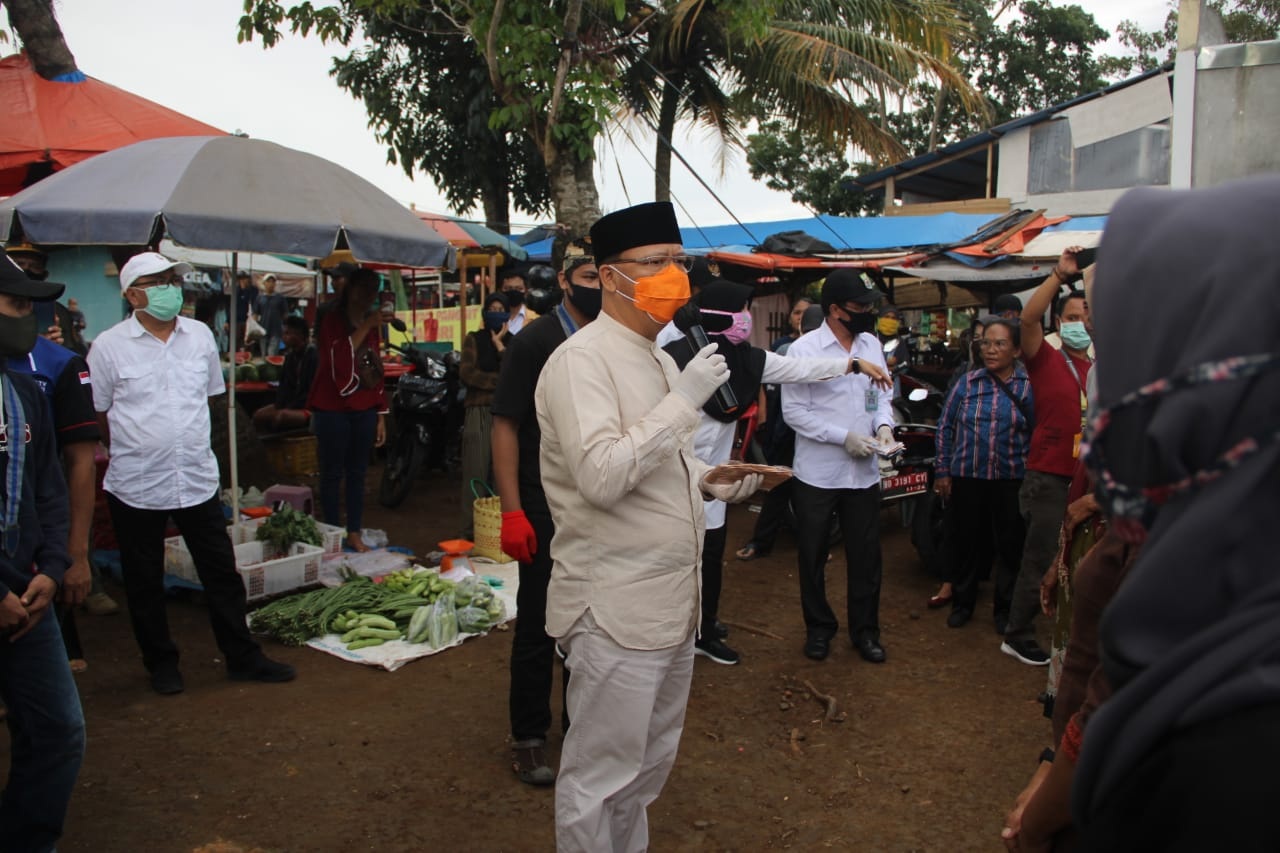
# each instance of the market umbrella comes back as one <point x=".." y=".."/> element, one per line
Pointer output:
<point x="224" y="193"/>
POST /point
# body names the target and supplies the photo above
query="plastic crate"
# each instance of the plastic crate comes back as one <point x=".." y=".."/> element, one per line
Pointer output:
<point x="263" y="571"/>
<point x="266" y="574"/>
<point x="293" y="457"/>
<point x="330" y="536"/>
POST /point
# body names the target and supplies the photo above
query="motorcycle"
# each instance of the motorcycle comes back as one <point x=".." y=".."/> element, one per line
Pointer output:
<point x="428" y="414"/>
<point x="909" y="406"/>
<point x="909" y="484"/>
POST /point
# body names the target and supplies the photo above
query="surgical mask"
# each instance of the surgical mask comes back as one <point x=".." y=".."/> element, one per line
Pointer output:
<point x="585" y="299"/>
<point x="1075" y="335"/>
<point x="515" y="298"/>
<point x="888" y="326"/>
<point x="858" y="324"/>
<point x="740" y="327"/>
<point x="164" y="301"/>
<point x="493" y="320"/>
<point x="17" y="335"/>
<point x="659" y="296"/>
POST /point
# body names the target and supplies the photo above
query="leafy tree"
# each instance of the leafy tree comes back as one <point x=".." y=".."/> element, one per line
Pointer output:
<point x="812" y="172"/>
<point x="1242" y="20"/>
<point x="549" y="67"/>
<point x="801" y="61"/>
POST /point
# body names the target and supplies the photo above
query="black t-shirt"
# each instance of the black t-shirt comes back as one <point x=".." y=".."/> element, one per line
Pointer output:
<point x="295" y="379"/>
<point x="522" y="363"/>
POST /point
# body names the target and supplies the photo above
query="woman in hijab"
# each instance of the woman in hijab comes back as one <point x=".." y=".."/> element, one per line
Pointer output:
<point x="1186" y="450"/>
<point x="723" y="310"/>
<point x="482" y="351"/>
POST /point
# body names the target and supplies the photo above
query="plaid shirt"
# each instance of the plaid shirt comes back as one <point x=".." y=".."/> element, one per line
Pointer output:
<point x="982" y="434"/>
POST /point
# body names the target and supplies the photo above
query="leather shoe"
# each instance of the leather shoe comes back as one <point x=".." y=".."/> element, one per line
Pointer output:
<point x="959" y="617"/>
<point x="167" y="681"/>
<point x="262" y="668"/>
<point x="817" y="647"/>
<point x="870" y="649"/>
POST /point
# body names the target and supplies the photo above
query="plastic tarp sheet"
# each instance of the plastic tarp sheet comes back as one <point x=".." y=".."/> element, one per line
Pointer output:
<point x="847" y="233"/>
<point x="63" y="123"/>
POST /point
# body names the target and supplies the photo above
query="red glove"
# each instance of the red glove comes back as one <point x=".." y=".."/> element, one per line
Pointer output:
<point x="518" y="538"/>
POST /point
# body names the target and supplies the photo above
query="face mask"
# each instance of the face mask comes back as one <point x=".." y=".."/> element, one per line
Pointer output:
<point x="888" y="326"/>
<point x="17" y="335"/>
<point x="493" y="320"/>
<point x="515" y="298"/>
<point x="1131" y="508"/>
<point x="660" y="296"/>
<point x="585" y="299"/>
<point x="858" y="324"/>
<point x="739" y="329"/>
<point x="164" y="301"/>
<point x="1075" y="336"/>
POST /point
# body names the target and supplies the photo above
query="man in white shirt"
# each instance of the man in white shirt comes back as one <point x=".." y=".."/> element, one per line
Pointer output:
<point x="840" y="425"/>
<point x="625" y="493"/>
<point x="152" y="375"/>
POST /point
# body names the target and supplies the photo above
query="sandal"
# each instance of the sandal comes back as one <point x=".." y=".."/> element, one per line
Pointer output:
<point x="750" y="551"/>
<point x="78" y="664"/>
<point x="529" y="761"/>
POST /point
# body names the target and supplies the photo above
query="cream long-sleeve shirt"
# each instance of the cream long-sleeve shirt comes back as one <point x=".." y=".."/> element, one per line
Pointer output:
<point x="622" y="483"/>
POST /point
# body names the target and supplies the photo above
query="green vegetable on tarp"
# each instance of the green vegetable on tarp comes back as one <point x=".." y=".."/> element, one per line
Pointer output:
<point x="473" y="620"/>
<point x="442" y="623"/>
<point x="286" y="526"/>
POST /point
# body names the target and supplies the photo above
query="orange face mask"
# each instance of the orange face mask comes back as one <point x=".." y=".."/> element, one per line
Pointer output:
<point x="660" y="296"/>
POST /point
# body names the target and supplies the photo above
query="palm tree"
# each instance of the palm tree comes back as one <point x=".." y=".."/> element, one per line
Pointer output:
<point x="804" y="61"/>
<point x="36" y="26"/>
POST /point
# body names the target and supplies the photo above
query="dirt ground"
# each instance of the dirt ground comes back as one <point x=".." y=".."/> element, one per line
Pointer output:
<point x="935" y="745"/>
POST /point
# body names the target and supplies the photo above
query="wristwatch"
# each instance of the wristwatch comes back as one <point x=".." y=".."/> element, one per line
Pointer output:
<point x="854" y="366"/>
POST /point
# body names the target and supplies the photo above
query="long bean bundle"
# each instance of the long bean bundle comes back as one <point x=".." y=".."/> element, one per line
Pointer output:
<point x="295" y="619"/>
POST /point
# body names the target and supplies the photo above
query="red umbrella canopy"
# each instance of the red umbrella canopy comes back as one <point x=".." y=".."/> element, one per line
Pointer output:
<point x="58" y="124"/>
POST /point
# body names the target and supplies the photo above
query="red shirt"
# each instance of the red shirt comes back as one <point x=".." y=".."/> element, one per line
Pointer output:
<point x="1059" y="401"/>
<point x="336" y="388"/>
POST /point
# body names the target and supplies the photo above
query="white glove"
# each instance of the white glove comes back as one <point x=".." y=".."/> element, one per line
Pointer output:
<point x="885" y="434"/>
<point x="859" y="446"/>
<point x="732" y="493"/>
<point x="700" y="378"/>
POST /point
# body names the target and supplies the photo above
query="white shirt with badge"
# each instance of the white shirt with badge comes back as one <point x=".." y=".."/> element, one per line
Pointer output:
<point x="156" y="398"/>
<point x="822" y="413"/>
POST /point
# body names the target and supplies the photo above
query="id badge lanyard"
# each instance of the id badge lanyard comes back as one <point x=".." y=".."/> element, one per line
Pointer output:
<point x="1084" y="405"/>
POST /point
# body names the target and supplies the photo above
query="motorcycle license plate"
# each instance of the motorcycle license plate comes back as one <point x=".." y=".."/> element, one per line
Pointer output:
<point x="904" y="485"/>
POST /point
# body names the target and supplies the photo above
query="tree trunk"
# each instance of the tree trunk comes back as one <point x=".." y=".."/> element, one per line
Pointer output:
<point x="574" y="193"/>
<point x="497" y="208"/>
<point x="41" y="37"/>
<point x="935" y="125"/>
<point x="666" y="131"/>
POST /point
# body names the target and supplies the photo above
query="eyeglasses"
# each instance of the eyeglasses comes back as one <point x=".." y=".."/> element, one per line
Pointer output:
<point x="996" y="344"/>
<point x="657" y="263"/>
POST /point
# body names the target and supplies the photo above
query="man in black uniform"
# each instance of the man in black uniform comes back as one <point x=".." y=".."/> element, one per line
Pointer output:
<point x="526" y="520"/>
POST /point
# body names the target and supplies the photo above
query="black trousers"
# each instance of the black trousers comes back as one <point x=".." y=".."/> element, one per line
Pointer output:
<point x="712" y="576"/>
<point x="533" y="653"/>
<point x="1207" y="787"/>
<point x="140" y="533"/>
<point x="979" y="510"/>
<point x="859" y="514"/>
<point x="772" y="514"/>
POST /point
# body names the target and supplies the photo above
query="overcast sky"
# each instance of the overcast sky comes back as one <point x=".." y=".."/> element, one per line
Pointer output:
<point x="184" y="54"/>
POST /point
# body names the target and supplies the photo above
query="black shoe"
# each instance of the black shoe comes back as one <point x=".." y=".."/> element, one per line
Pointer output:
<point x="720" y="630"/>
<point x="1026" y="651"/>
<point x="167" y="681"/>
<point x="262" y="668"/>
<point x="529" y="761"/>
<point x="1002" y="623"/>
<point x="817" y="647"/>
<point x="870" y="649"/>
<point x="709" y="647"/>
<point x="959" y="617"/>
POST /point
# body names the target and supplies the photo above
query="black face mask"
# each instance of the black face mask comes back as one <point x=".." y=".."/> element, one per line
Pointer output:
<point x="17" y="335"/>
<point x="858" y="324"/>
<point x="586" y="300"/>
<point x="515" y="298"/>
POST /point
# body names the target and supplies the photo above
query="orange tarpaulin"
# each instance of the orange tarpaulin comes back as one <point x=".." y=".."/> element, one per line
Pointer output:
<point x="1011" y="243"/>
<point x="60" y="124"/>
<point x="790" y="263"/>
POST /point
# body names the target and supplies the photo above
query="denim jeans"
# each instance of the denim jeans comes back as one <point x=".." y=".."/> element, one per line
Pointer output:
<point x="344" y="441"/>
<point x="46" y="734"/>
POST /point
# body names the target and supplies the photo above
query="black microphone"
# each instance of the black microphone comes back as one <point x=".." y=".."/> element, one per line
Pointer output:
<point x="689" y="320"/>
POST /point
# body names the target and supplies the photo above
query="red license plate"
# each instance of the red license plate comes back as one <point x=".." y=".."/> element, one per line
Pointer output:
<point x="901" y="485"/>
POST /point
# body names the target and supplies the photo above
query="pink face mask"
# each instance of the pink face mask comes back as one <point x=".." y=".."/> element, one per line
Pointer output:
<point x="739" y="330"/>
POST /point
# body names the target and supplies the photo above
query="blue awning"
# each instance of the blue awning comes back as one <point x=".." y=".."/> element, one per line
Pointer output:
<point x="846" y="233"/>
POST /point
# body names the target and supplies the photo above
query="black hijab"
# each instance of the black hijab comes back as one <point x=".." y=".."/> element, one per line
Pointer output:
<point x="1187" y="278"/>
<point x="746" y="363"/>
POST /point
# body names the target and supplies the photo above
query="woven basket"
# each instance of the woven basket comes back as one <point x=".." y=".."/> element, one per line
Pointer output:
<point x="293" y="457"/>
<point x="487" y="518"/>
